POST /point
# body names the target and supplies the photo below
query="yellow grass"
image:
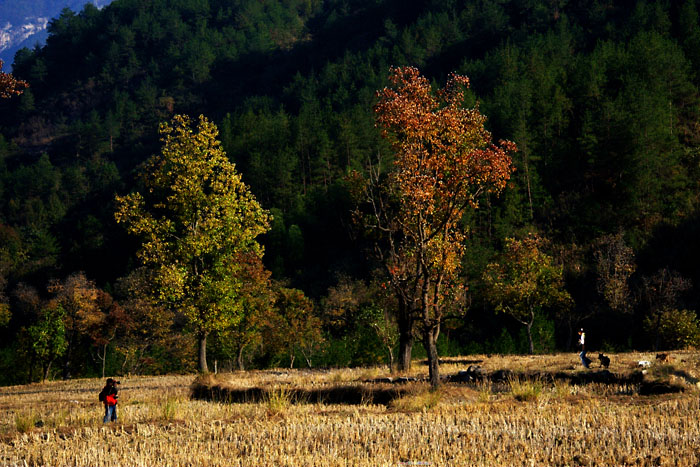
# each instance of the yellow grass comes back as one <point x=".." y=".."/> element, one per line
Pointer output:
<point x="482" y="424"/>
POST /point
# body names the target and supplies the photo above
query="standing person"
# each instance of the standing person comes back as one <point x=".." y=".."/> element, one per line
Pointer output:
<point x="108" y="396"/>
<point x="582" y="342"/>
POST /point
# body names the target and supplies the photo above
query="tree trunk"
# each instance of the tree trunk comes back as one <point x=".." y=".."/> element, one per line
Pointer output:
<point x="47" y="371"/>
<point x="126" y="360"/>
<point x="405" y="322"/>
<point x="66" y="369"/>
<point x="529" y="338"/>
<point x="104" y="358"/>
<point x="405" y="349"/>
<point x="430" y="342"/>
<point x="66" y="362"/>
<point x="31" y="368"/>
<point x="203" y="368"/>
<point x="391" y="359"/>
<point x="239" y="358"/>
<point x="307" y="358"/>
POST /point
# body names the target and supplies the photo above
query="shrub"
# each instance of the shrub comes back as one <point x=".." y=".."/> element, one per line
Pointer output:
<point x="25" y="421"/>
<point x="417" y="402"/>
<point x="677" y="329"/>
<point x="504" y="344"/>
<point x="525" y="389"/>
<point x="277" y="400"/>
<point x="484" y="388"/>
<point x="170" y="408"/>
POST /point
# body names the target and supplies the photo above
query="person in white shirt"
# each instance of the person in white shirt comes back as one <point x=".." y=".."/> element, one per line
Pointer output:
<point x="582" y="342"/>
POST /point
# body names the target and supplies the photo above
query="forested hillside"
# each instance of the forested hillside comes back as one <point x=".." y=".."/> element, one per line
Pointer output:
<point x="600" y="97"/>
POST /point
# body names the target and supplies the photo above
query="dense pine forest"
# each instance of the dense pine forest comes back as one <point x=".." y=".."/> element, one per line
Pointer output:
<point x="600" y="97"/>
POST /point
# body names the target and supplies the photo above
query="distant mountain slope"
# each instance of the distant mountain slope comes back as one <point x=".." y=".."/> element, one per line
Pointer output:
<point x="23" y="24"/>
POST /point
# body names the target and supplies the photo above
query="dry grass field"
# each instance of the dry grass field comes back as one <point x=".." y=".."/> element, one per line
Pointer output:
<point x="534" y="421"/>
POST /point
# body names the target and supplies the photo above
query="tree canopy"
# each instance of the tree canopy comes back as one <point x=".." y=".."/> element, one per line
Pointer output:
<point x="443" y="161"/>
<point x="198" y="220"/>
<point x="9" y="85"/>
<point x="525" y="282"/>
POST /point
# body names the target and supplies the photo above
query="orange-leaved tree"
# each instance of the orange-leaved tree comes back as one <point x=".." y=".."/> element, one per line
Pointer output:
<point x="9" y="85"/>
<point x="444" y="160"/>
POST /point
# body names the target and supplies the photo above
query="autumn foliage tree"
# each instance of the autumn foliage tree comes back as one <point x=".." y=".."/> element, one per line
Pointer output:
<point x="196" y="220"/>
<point x="77" y="295"/>
<point x="146" y="324"/>
<point x="444" y="161"/>
<point x="615" y="264"/>
<point x="524" y="281"/>
<point x="107" y="320"/>
<point x="9" y="85"/>
<point x="245" y="335"/>
<point x="292" y="325"/>
<point x="661" y="293"/>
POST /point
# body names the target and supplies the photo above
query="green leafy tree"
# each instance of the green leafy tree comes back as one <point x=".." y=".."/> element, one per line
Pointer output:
<point x="5" y="312"/>
<point x="352" y="308"/>
<point x="525" y="281"/>
<point x="675" y="329"/>
<point x="196" y="220"/>
<point x="383" y="323"/>
<point x="48" y="337"/>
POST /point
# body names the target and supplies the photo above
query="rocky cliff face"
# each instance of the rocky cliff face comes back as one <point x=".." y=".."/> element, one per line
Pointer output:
<point x="23" y="24"/>
<point x="11" y="35"/>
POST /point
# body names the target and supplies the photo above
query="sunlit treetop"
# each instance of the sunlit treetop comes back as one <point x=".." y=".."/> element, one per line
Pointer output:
<point x="444" y="158"/>
<point x="9" y="85"/>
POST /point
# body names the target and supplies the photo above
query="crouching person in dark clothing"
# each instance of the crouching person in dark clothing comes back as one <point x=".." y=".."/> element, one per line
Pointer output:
<point x="108" y="396"/>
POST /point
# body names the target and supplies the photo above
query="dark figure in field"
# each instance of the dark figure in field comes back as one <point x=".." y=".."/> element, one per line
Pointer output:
<point x="582" y="342"/>
<point x="108" y="396"/>
<point x="604" y="360"/>
<point x="663" y="358"/>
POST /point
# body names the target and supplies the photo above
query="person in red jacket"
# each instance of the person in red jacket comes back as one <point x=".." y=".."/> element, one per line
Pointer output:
<point x="108" y="396"/>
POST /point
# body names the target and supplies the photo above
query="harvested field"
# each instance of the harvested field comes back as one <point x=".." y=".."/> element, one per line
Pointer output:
<point x="524" y="421"/>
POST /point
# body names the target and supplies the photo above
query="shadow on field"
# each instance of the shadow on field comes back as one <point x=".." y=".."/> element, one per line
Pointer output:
<point x="351" y="394"/>
<point x="639" y="380"/>
<point x="384" y="390"/>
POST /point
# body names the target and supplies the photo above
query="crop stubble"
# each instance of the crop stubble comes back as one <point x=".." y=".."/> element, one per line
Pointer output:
<point x="160" y="425"/>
